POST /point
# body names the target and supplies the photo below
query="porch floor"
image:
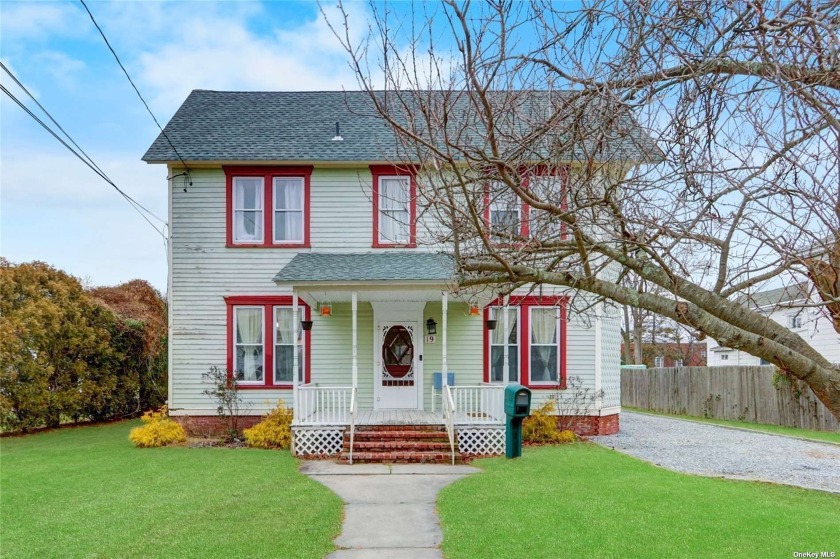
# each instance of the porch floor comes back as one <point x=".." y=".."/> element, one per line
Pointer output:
<point x="393" y="417"/>
<point x="398" y="417"/>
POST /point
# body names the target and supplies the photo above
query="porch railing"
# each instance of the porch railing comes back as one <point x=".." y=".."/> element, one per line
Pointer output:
<point x="478" y="405"/>
<point x="449" y="411"/>
<point x="353" y="412"/>
<point x="324" y="405"/>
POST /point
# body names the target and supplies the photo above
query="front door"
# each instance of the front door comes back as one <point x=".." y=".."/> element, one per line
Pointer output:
<point x="397" y="369"/>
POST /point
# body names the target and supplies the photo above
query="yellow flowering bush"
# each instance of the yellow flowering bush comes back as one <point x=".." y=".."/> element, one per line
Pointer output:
<point x="275" y="431"/>
<point x="541" y="427"/>
<point x="158" y="430"/>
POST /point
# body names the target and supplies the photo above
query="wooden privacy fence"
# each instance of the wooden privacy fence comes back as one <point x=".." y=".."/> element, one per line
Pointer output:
<point x="740" y="393"/>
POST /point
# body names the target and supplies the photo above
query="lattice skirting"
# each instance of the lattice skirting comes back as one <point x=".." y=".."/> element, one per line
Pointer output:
<point x="481" y="441"/>
<point x="318" y="441"/>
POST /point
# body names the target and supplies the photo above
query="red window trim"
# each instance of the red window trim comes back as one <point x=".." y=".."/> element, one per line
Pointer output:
<point x="267" y="173"/>
<point x="268" y="302"/>
<point x="525" y="303"/>
<point x="525" y="209"/>
<point x="379" y="171"/>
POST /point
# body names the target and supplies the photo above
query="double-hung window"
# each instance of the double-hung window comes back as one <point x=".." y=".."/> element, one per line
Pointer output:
<point x="248" y="210"/>
<point x="394" y="207"/>
<point x="268" y="207"/>
<point x="262" y="339"/>
<point x="394" y="210"/>
<point x="284" y="329"/>
<point x="249" y="350"/>
<point x="535" y="339"/>
<point x="544" y="225"/>
<point x="545" y="344"/>
<point x="288" y="210"/>
<point x="499" y="338"/>
<point x="505" y="211"/>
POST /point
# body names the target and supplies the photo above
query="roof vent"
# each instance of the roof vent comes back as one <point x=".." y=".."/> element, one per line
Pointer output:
<point x="337" y="137"/>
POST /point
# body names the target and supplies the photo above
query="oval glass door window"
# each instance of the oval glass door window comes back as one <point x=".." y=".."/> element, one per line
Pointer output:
<point x="397" y="357"/>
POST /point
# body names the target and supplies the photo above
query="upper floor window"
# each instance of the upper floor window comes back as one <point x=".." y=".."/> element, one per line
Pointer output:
<point x="724" y="357"/>
<point x="247" y="210"/>
<point x="504" y="212"/>
<point x="542" y="224"/>
<point x="394" y="207"/>
<point x="795" y="321"/>
<point x="268" y="207"/>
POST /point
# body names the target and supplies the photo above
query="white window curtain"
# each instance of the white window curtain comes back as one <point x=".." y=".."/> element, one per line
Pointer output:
<point x="283" y="346"/>
<point x="497" y="346"/>
<point x="249" y="344"/>
<point x="544" y="344"/>
<point x="288" y="210"/>
<point x="394" y="209"/>
<point x="247" y="210"/>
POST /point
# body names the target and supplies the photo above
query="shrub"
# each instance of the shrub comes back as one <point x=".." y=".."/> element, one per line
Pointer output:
<point x="229" y="404"/>
<point x="541" y="427"/>
<point x="275" y="431"/>
<point x="159" y="430"/>
<point x="566" y="436"/>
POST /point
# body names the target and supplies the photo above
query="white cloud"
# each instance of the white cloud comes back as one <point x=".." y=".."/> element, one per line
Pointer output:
<point x="36" y="21"/>
<point x="220" y="53"/>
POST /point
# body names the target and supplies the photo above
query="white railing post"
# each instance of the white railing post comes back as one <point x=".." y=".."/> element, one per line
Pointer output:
<point x="295" y="380"/>
<point x="443" y="327"/>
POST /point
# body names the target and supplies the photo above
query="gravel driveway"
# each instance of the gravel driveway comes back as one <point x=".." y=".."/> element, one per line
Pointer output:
<point x="710" y="450"/>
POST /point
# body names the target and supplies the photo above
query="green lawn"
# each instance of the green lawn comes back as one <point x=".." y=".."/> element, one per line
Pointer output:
<point x="583" y="500"/>
<point x="822" y="436"/>
<point x="88" y="492"/>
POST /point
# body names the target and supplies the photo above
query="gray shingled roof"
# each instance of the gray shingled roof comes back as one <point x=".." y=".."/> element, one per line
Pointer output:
<point x="316" y="267"/>
<point x="299" y="126"/>
<point x="777" y="297"/>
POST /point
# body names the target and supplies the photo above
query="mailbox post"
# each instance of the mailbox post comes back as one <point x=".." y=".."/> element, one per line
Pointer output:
<point x="517" y="408"/>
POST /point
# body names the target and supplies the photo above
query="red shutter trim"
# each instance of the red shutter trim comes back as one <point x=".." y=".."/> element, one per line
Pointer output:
<point x="268" y="302"/>
<point x="378" y="171"/>
<point x="267" y="173"/>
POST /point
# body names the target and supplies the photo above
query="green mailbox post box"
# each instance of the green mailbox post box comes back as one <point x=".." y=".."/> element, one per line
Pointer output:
<point x="517" y="408"/>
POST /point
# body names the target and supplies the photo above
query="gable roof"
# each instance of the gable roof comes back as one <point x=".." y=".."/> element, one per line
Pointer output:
<point x="325" y="267"/>
<point x="294" y="126"/>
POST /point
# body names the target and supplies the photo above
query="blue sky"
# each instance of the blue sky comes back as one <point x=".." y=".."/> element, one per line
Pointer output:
<point x="52" y="207"/>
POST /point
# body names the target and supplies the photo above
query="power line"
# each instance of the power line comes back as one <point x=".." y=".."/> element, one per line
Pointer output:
<point x="136" y="205"/>
<point x="162" y="131"/>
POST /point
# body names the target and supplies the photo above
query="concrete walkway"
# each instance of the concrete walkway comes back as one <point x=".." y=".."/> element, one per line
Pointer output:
<point x="389" y="509"/>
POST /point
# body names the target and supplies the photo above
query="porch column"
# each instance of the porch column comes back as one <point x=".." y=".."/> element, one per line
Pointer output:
<point x="506" y="338"/>
<point x="444" y="308"/>
<point x="355" y="339"/>
<point x="295" y="380"/>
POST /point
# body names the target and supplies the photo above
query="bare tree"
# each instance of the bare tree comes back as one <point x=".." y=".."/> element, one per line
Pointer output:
<point x="690" y="145"/>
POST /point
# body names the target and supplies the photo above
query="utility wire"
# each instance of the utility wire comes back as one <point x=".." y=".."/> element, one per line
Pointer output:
<point x="90" y="162"/>
<point x="162" y="131"/>
<point x="136" y="205"/>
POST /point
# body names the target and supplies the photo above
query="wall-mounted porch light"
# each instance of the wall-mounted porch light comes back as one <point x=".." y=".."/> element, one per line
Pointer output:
<point x="306" y="325"/>
<point x="325" y="309"/>
<point x="431" y="326"/>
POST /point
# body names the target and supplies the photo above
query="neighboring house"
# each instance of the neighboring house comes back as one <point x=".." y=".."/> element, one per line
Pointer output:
<point x="672" y="354"/>
<point x="796" y="307"/>
<point x="296" y="244"/>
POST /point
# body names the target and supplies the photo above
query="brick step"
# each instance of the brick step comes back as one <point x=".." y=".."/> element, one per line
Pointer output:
<point x="398" y="435"/>
<point x="410" y="457"/>
<point x="389" y="446"/>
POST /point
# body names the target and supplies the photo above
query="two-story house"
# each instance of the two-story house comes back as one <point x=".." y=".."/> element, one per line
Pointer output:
<point x="298" y="262"/>
<point x="797" y="307"/>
